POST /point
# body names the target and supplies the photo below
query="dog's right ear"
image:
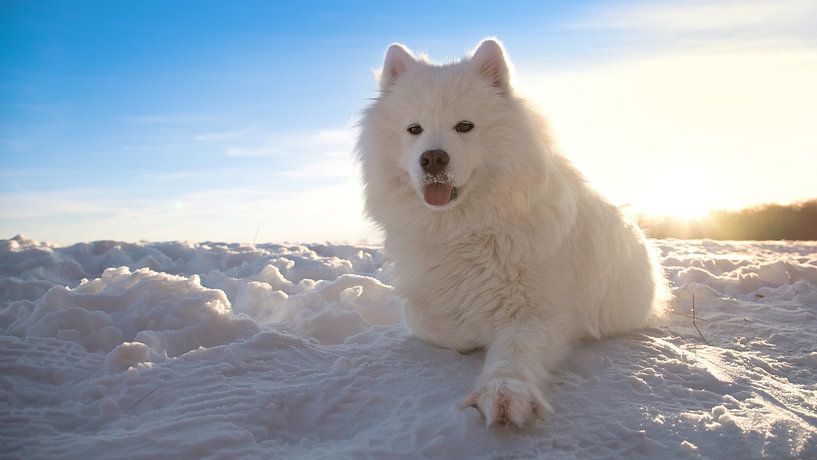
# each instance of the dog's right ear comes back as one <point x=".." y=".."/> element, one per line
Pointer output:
<point x="398" y="60"/>
<point x="491" y="61"/>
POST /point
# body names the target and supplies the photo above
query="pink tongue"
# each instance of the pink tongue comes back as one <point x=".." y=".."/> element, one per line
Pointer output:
<point x="437" y="194"/>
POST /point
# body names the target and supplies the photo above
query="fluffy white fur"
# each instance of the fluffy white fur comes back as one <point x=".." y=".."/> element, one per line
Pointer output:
<point x="527" y="259"/>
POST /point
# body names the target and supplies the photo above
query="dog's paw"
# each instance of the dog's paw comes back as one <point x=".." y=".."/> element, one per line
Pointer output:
<point x="507" y="401"/>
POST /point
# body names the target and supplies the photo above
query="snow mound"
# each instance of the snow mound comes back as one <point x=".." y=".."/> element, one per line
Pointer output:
<point x="280" y="351"/>
<point x="169" y="313"/>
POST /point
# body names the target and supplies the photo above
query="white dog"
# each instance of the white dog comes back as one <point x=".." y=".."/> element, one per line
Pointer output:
<point x="497" y="241"/>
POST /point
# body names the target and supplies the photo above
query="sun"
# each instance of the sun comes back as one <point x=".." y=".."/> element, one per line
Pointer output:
<point x="682" y="191"/>
<point x="688" y="211"/>
<point x="693" y="203"/>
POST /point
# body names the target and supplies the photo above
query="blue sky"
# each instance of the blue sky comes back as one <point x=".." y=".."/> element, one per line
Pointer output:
<point x="211" y="120"/>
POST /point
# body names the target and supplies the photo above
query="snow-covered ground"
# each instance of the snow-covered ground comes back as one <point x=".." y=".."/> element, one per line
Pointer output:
<point x="179" y="350"/>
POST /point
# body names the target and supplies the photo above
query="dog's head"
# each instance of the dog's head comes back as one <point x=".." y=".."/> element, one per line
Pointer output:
<point x="435" y="128"/>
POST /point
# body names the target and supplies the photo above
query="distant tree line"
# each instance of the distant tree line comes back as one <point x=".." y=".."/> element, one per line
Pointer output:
<point x="796" y="221"/>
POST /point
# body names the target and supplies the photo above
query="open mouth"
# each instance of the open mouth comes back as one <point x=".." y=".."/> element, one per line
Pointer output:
<point x="439" y="193"/>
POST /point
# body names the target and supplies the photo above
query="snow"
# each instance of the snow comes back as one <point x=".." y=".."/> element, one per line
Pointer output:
<point x="298" y="351"/>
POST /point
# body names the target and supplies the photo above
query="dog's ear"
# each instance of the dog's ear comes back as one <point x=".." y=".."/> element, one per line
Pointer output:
<point x="489" y="59"/>
<point x="398" y="60"/>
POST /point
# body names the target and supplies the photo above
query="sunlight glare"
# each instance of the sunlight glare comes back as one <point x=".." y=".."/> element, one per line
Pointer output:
<point x="686" y="133"/>
<point x="682" y="190"/>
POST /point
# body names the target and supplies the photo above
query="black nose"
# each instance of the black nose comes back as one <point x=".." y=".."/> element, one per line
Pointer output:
<point x="434" y="161"/>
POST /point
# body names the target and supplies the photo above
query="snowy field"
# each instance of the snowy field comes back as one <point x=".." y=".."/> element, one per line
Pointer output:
<point x="178" y="350"/>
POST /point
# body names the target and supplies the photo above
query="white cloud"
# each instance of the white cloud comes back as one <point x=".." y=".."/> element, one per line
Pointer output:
<point x="321" y="213"/>
<point x="39" y="204"/>
<point x="316" y="198"/>
<point x="323" y="141"/>
<point x="172" y="119"/>
<point x="329" y="166"/>
<point x="235" y="151"/>
<point x="757" y="16"/>
<point x="223" y="135"/>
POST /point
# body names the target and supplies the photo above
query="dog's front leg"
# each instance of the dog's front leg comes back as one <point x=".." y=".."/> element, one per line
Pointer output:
<point x="517" y="367"/>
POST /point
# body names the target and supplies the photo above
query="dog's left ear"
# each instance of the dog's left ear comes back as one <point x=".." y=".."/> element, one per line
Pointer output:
<point x="489" y="59"/>
<point x="398" y="60"/>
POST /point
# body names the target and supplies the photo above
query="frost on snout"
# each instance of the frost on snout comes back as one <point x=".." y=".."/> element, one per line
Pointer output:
<point x="438" y="183"/>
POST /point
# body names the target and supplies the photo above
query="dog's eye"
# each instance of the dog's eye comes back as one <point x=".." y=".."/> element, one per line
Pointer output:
<point x="415" y="129"/>
<point x="464" y="127"/>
